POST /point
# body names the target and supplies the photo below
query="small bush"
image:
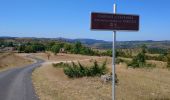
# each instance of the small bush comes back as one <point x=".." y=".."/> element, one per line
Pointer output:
<point x="141" y="65"/>
<point x="140" y="62"/>
<point x="61" y="65"/>
<point x="76" y="71"/>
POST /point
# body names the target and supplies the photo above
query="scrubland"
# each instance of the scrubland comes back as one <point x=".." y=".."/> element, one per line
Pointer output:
<point x="134" y="84"/>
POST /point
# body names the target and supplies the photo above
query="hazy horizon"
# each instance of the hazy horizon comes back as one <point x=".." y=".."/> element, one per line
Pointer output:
<point x="82" y="38"/>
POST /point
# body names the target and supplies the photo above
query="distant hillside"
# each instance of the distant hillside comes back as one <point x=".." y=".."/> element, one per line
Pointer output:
<point x="149" y="44"/>
<point x="97" y="44"/>
<point x="100" y="44"/>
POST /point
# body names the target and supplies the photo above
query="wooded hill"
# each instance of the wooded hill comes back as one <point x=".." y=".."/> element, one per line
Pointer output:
<point x="92" y="43"/>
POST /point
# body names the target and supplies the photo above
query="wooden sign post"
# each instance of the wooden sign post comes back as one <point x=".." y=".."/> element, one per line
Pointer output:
<point x="114" y="22"/>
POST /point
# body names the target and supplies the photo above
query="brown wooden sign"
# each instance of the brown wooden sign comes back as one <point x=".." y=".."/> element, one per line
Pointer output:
<point x="106" y="21"/>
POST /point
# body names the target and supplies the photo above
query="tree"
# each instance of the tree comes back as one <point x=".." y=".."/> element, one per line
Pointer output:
<point x="49" y="45"/>
<point x="144" y="48"/>
<point x="10" y="44"/>
<point x="139" y="60"/>
<point x="109" y="53"/>
<point x="86" y="51"/>
<point x="55" y="49"/>
<point x="67" y="46"/>
<point x="77" y="47"/>
<point x="29" y="49"/>
<point x="21" y="48"/>
<point x="168" y="60"/>
<point x="38" y="47"/>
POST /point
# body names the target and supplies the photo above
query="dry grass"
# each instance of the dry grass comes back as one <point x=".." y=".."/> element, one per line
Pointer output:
<point x="11" y="60"/>
<point x="142" y="84"/>
<point x="52" y="84"/>
<point x="62" y="57"/>
<point x="153" y="55"/>
<point x="134" y="84"/>
<point x="159" y="64"/>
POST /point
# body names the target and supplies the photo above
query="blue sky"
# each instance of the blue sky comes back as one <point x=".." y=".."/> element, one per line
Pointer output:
<point x="71" y="18"/>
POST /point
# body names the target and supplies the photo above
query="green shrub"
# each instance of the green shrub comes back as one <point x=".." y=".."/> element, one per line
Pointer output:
<point x="141" y="65"/>
<point x="76" y="71"/>
<point x="61" y="65"/>
<point x="138" y="61"/>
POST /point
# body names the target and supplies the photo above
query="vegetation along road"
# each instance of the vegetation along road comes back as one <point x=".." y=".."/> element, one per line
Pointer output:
<point x="16" y="84"/>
